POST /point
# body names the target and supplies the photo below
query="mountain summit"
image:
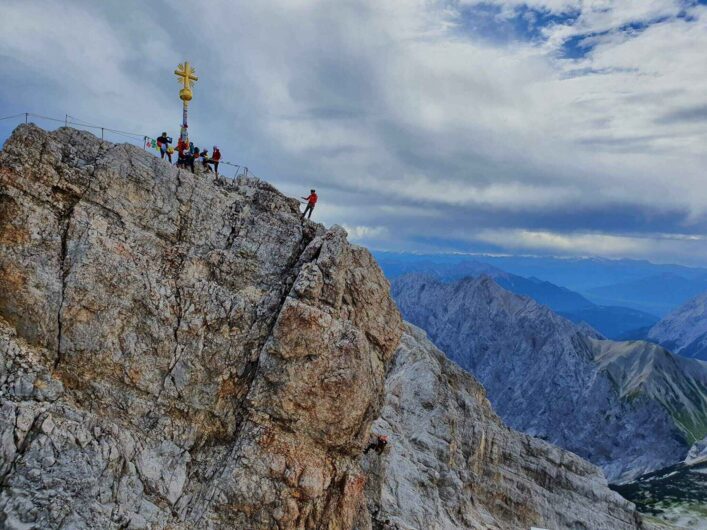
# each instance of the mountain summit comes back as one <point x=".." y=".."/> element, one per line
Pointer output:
<point x="630" y="407"/>
<point x="180" y="354"/>
<point x="684" y="331"/>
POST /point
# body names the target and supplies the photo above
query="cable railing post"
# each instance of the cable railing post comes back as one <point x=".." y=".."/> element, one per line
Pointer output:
<point x="26" y="117"/>
<point x="66" y="120"/>
<point x="101" y="134"/>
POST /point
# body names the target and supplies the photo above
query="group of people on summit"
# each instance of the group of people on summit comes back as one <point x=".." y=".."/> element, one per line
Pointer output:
<point x="188" y="154"/>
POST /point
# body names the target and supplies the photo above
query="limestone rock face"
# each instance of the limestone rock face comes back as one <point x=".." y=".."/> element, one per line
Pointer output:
<point x="182" y="354"/>
<point x="176" y="353"/>
<point x="452" y="464"/>
<point x="629" y="407"/>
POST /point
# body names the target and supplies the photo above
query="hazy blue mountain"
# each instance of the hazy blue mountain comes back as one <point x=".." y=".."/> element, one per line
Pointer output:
<point x="618" y="323"/>
<point x="630" y="407"/>
<point x="557" y="298"/>
<point x="684" y="331"/>
<point x="611" y="321"/>
<point x="577" y="274"/>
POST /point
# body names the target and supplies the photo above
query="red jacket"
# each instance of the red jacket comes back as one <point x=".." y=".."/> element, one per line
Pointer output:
<point x="312" y="199"/>
<point x="216" y="155"/>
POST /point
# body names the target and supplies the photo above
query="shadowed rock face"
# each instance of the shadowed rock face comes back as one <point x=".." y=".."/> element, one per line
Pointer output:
<point x="176" y="353"/>
<point x="452" y="464"/>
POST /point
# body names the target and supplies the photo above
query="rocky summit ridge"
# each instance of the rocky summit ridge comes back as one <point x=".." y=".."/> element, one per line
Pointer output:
<point x="178" y="353"/>
<point x="630" y="407"/>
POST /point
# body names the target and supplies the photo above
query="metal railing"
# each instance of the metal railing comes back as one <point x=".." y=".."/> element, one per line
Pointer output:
<point x="137" y="138"/>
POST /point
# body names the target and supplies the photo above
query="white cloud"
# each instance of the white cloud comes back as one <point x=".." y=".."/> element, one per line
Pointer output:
<point x="400" y="117"/>
<point x="361" y="232"/>
<point x="662" y="247"/>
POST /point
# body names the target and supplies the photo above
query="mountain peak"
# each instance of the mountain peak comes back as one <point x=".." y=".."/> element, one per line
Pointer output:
<point x="193" y="355"/>
<point x="167" y="337"/>
<point x="551" y="378"/>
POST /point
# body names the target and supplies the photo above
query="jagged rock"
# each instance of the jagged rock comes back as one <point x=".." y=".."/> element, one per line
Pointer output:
<point x="452" y="464"/>
<point x="697" y="453"/>
<point x="684" y="331"/>
<point x="180" y="354"/>
<point x="629" y="407"/>
<point x="176" y="353"/>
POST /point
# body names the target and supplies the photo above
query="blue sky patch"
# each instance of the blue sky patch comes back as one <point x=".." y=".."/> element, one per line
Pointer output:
<point x="489" y="22"/>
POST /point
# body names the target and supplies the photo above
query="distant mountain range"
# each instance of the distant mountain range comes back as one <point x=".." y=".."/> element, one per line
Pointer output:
<point x="578" y="274"/>
<point x="654" y="294"/>
<point x="684" y="331"/>
<point x="613" y="322"/>
<point x="630" y="407"/>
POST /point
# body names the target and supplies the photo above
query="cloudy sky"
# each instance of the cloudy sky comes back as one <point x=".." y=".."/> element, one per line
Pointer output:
<point x="563" y="127"/>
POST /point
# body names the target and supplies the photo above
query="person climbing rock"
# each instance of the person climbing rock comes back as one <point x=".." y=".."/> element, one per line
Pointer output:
<point x="215" y="157"/>
<point x="378" y="445"/>
<point x="163" y="142"/>
<point x="311" y="201"/>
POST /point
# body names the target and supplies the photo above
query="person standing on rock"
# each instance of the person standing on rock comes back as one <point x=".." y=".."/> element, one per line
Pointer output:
<point x="215" y="157"/>
<point x="181" y="158"/>
<point x="189" y="157"/>
<point x="205" y="161"/>
<point x="311" y="201"/>
<point x="163" y="142"/>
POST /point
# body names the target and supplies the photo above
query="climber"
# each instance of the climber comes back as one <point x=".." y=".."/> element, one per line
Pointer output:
<point x="215" y="157"/>
<point x="311" y="201"/>
<point x="205" y="160"/>
<point x="181" y="147"/>
<point x="189" y="157"/>
<point x="162" y="142"/>
<point x="378" y="445"/>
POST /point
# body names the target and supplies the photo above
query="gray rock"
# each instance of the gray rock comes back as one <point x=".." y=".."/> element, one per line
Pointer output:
<point x="452" y="464"/>
<point x="684" y="331"/>
<point x="628" y="407"/>
<point x="173" y="351"/>
<point x="697" y="453"/>
<point x="178" y="353"/>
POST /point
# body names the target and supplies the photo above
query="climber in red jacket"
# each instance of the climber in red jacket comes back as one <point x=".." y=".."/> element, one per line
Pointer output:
<point x="215" y="158"/>
<point x="311" y="201"/>
<point x="378" y="445"/>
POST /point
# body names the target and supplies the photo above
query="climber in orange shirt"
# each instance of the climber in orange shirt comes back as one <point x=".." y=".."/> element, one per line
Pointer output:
<point x="311" y="201"/>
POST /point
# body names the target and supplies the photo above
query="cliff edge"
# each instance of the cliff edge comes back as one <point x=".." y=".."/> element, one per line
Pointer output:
<point x="178" y="353"/>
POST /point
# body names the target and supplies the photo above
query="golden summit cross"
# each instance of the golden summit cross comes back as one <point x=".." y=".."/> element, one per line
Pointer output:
<point x="185" y="74"/>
